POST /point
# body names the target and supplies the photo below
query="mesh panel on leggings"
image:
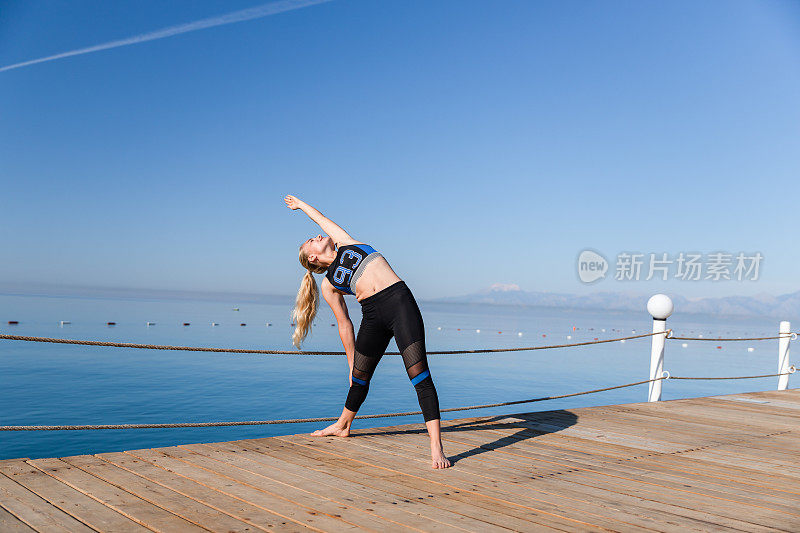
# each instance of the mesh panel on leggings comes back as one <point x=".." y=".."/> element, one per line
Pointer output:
<point x="363" y="366"/>
<point x="415" y="359"/>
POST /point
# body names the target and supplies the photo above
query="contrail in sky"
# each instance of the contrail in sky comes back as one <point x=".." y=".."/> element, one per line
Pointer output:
<point x="236" y="16"/>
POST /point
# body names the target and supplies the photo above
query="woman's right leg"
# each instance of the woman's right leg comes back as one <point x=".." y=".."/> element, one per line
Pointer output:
<point x="371" y="343"/>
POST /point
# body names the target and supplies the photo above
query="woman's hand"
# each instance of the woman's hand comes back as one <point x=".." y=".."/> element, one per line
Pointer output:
<point x="292" y="202"/>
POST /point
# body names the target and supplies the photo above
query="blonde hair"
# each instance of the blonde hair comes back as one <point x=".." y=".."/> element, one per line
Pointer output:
<point x="307" y="302"/>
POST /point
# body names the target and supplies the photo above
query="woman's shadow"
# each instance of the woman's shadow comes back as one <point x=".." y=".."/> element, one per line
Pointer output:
<point x="527" y="426"/>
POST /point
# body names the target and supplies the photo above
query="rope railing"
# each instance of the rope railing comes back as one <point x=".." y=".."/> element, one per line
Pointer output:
<point x="668" y="334"/>
<point x="53" y="340"/>
<point x="791" y="336"/>
<point x="665" y="376"/>
<point x="320" y="419"/>
<point x="792" y="370"/>
<point x="300" y="352"/>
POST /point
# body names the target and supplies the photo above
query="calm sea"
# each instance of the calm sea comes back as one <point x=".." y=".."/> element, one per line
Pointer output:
<point x="49" y="384"/>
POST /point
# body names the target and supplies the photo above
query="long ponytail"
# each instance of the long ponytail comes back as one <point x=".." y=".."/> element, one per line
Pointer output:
<point x="307" y="301"/>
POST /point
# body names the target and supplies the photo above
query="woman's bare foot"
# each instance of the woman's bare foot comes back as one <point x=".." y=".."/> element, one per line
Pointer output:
<point x="337" y="429"/>
<point x="438" y="460"/>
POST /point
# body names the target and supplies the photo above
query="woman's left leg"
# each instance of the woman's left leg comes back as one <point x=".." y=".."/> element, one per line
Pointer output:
<point x="409" y="332"/>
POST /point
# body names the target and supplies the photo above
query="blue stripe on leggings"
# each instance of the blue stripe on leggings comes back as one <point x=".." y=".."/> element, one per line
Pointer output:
<point x="419" y="377"/>
<point x="359" y="381"/>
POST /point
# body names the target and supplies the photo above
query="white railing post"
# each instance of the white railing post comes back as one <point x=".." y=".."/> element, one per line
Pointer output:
<point x="660" y="307"/>
<point x="785" y="330"/>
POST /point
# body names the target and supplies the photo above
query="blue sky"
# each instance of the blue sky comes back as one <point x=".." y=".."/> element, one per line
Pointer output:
<point x="470" y="142"/>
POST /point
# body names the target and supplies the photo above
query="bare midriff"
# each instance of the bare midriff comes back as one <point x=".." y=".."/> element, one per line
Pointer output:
<point x="377" y="276"/>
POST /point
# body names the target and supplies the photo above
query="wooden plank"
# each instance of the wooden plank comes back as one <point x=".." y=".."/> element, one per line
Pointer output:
<point x="258" y="490"/>
<point x="723" y="509"/>
<point x="786" y="440"/>
<point x="704" y="464"/>
<point x="605" y="436"/>
<point x="737" y="404"/>
<point x="539" y="483"/>
<point x="11" y="524"/>
<point x="83" y="508"/>
<point x="467" y="482"/>
<point x="715" y="408"/>
<point x="410" y="487"/>
<point x="708" y="419"/>
<point x="177" y="503"/>
<point x="511" y="473"/>
<point x="205" y="491"/>
<point x="750" y="451"/>
<point x="35" y="511"/>
<point x="520" y="454"/>
<point x="554" y="438"/>
<point x="653" y="428"/>
<point x="417" y="514"/>
<point x="624" y="454"/>
<point x="720" y="456"/>
<point x="773" y="403"/>
<point x="142" y="512"/>
<point x="720" y="470"/>
<point x="752" y="399"/>
<point x="784" y="406"/>
<point x="790" y="395"/>
<point x="689" y="424"/>
<point x="543" y="488"/>
<point x="696" y="438"/>
<point x="530" y="455"/>
<point x="529" y="442"/>
<point x="664" y="420"/>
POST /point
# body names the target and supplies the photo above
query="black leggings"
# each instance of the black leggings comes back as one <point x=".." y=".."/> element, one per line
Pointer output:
<point x="392" y="312"/>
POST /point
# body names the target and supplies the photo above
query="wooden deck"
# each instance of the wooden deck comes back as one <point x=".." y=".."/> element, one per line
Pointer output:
<point x="704" y="464"/>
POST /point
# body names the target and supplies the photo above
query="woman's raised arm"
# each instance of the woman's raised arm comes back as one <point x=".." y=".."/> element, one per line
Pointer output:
<point x="333" y="230"/>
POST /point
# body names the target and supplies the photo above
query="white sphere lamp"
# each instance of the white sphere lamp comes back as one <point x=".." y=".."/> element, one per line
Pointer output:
<point x="660" y="306"/>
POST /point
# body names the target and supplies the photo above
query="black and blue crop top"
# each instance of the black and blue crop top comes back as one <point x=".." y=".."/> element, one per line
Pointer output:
<point x="348" y="266"/>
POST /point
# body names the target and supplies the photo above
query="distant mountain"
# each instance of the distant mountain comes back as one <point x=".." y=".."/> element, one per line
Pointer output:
<point x="784" y="306"/>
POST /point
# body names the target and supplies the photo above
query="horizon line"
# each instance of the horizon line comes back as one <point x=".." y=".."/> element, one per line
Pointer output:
<point x="41" y="288"/>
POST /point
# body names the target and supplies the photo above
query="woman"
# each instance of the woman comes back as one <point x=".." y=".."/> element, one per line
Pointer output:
<point x="388" y="307"/>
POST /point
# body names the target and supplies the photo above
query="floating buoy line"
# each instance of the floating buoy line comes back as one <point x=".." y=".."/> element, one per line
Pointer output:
<point x="568" y="337"/>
